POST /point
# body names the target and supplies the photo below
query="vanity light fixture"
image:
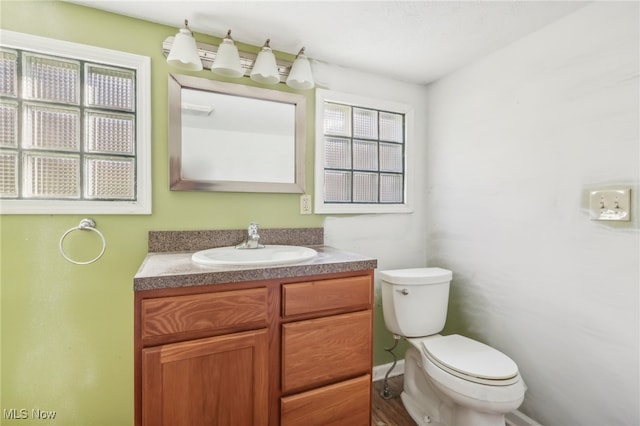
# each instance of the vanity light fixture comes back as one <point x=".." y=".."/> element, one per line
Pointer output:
<point x="300" y="76"/>
<point x="184" y="52"/>
<point x="227" y="62"/>
<point x="265" y="69"/>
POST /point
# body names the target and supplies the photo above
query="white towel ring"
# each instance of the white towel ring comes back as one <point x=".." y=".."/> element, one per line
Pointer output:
<point x="86" y="224"/>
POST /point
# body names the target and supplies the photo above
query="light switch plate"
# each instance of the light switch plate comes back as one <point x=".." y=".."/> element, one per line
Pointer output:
<point x="610" y="204"/>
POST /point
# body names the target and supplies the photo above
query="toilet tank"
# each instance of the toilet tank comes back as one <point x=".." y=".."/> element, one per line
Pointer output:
<point x="415" y="301"/>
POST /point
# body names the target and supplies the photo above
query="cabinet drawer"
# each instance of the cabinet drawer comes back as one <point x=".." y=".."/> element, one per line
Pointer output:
<point x="345" y="403"/>
<point x="324" y="350"/>
<point x="326" y="295"/>
<point x="204" y="312"/>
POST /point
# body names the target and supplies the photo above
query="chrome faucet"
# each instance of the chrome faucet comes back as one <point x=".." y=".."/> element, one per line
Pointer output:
<point x="253" y="238"/>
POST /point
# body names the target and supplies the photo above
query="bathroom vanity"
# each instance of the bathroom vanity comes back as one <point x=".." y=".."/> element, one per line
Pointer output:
<point x="271" y="345"/>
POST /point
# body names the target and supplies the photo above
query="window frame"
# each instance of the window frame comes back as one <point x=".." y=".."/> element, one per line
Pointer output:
<point x="142" y="66"/>
<point x="322" y="207"/>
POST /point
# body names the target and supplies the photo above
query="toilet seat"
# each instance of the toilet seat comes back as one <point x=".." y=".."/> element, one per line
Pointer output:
<point x="470" y="360"/>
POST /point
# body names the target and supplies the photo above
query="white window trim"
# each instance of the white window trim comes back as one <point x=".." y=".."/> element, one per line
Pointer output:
<point x="322" y="96"/>
<point x="142" y="65"/>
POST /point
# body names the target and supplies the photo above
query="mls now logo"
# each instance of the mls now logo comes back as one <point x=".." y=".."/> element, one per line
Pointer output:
<point x="23" y="413"/>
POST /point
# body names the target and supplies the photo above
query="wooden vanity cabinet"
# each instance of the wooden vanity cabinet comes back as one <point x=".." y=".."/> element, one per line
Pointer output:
<point x="277" y="352"/>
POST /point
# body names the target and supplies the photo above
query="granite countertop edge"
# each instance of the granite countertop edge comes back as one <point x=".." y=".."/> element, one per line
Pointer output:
<point x="174" y="270"/>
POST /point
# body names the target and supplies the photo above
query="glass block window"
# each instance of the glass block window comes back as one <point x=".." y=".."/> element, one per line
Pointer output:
<point x="364" y="155"/>
<point x="69" y="126"/>
<point x="361" y="152"/>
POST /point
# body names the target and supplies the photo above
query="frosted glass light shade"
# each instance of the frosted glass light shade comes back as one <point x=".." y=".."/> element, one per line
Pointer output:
<point x="300" y="76"/>
<point x="227" y="61"/>
<point x="265" y="69"/>
<point x="184" y="52"/>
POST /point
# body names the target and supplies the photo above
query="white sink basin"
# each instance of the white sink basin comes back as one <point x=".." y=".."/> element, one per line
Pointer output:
<point x="268" y="255"/>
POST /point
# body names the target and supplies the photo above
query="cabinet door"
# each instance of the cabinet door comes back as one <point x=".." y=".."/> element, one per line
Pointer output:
<point x="219" y="381"/>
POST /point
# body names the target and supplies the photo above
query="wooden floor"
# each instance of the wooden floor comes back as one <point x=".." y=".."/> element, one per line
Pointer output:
<point x="389" y="412"/>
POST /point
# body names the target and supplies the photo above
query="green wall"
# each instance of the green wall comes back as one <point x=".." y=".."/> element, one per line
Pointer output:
<point x="67" y="330"/>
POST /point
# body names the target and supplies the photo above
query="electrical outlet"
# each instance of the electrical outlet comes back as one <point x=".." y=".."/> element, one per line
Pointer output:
<point x="305" y="204"/>
<point x="610" y="204"/>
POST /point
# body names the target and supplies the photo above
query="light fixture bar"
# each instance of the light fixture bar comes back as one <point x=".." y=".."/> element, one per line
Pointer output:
<point x="207" y="54"/>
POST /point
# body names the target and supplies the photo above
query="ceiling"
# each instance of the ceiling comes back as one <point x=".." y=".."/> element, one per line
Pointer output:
<point x="413" y="41"/>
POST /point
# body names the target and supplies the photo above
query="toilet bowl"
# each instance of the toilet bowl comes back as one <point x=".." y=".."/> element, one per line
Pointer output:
<point x="449" y="380"/>
<point x="481" y="383"/>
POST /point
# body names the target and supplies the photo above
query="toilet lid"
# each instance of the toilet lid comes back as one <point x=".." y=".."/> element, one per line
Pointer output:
<point x="470" y="359"/>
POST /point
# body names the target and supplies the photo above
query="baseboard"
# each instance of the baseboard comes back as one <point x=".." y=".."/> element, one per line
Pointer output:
<point x="515" y="418"/>
<point x="380" y="371"/>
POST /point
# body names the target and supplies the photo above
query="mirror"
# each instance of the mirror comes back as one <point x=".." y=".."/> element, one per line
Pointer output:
<point x="235" y="138"/>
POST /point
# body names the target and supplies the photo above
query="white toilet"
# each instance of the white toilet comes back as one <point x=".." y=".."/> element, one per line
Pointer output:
<point x="448" y="380"/>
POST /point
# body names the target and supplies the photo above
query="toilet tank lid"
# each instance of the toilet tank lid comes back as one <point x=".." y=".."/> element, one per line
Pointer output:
<point x="416" y="276"/>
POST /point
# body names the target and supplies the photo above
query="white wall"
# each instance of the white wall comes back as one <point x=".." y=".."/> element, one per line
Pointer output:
<point x="515" y="142"/>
